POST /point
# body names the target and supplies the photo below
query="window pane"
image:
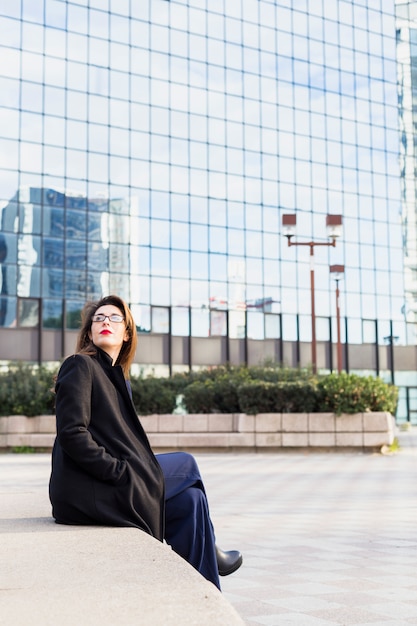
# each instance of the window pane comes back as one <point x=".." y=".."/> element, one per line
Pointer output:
<point x="255" y="325"/>
<point x="142" y="317"/>
<point x="180" y="321"/>
<point x="28" y="313"/>
<point x="237" y="324"/>
<point x="160" y="320"/>
<point x="29" y="281"/>
<point x="76" y="283"/>
<point x="160" y="291"/>
<point x="8" y="280"/>
<point x="7" y="311"/>
<point x="52" y="283"/>
<point x="218" y="323"/>
<point x="52" y="314"/>
<point x="73" y="314"/>
<point x="272" y="330"/>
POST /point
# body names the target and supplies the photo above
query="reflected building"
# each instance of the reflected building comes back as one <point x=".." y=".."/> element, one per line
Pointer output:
<point x="151" y="149"/>
<point x="57" y="249"/>
<point x="407" y="98"/>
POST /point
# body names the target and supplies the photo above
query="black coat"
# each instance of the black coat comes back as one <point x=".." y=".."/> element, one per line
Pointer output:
<point x="103" y="468"/>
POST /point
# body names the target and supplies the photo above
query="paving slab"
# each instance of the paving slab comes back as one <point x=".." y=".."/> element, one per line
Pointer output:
<point x="328" y="538"/>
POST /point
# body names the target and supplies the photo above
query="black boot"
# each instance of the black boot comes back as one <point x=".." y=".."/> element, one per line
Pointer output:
<point x="228" y="562"/>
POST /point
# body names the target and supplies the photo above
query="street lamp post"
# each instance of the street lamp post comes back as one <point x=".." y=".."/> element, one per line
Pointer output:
<point x="334" y="228"/>
<point x="337" y="272"/>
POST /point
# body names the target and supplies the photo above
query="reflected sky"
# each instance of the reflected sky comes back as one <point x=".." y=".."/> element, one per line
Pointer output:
<point x="198" y="127"/>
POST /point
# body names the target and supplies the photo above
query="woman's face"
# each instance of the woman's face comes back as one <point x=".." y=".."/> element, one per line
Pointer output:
<point x="106" y="334"/>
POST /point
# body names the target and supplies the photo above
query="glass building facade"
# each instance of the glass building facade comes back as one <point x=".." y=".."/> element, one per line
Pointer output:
<point x="150" y="149"/>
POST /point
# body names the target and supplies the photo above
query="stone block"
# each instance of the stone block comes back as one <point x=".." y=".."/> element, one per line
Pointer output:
<point x="4" y="424"/>
<point x="295" y="422"/>
<point x="349" y="439"/>
<point x="21" y="424"/>
<point x="377" y="422"/>
<point x="170" y="423"/>
<point x="18" y="439"/>
<point x="3" y="440"/>
<point x="203" y="440"/>
<point x="268" y="422"/>
<point x="195" y="423"/>
<point x="377" y="440"/>
<point x="322" y="440"/>
<point x="241" y="440"/>
<point x="321" y="422"/>
<point x="220" y="422"/>
<point x="244" y="423"/>
<point x="163" y="440"/>
<point x="41" y="440"/>
<point x="46" y="424"/>
<point x="346" y="423"/>
<point x="268" y="440"/>
<point x="294" y="440"/>
<point x="150" y="423"/>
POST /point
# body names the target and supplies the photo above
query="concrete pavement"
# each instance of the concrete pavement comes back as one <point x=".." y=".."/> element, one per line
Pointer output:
<point x="327" y="538"/>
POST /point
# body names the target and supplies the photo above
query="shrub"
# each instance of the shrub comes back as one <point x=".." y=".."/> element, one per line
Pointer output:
<point x="280" y="397"/>
<point x="350" y="393"/>
<point x="153" y="395"/>
<point x="257" y="397"/>
<point x="218" y="388"/>
<point x="274" y="374"/>
<point x="198" y="397"/>
<point x="26" y="390"/>
<point x="382" y="396"/>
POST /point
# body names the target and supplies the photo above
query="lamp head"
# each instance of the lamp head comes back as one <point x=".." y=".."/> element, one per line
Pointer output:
<point x="289" y="223"/>
<point x="337" y="271"/>
<point x="334" y="226"/>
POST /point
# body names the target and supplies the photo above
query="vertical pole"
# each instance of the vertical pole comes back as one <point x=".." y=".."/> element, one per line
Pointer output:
<point x="339" y="343"/>
<point x="40" y="330"/>
<point x="227" y="337"/>
<point x="313" y="313"/>
<point x="346" y="345"/>
<point x="391" y="351"/>
<point x="170" y="340"/>
<point x="190" y="345"/>
<point x="245" y="343"/>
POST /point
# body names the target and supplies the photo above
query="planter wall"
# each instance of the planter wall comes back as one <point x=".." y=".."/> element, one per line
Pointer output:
<point x="267" y="431"/>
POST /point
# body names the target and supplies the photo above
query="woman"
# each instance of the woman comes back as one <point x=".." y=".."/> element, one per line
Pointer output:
<point x="103" y="467"/>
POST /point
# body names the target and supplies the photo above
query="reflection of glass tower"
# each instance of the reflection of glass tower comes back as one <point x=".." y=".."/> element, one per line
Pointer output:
<point x="61" y="249"/>
<point x="407" y="98"/>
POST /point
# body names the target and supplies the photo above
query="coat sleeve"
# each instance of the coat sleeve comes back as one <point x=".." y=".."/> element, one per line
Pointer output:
<point x="73" y="414"/>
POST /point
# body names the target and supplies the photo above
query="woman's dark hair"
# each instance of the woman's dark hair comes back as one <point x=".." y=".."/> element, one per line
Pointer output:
<point x="85" y="344"/>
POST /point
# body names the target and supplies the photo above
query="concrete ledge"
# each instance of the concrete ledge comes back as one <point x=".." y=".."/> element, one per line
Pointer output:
<point x="97" y="576"/>
<point x="265" y="431"/>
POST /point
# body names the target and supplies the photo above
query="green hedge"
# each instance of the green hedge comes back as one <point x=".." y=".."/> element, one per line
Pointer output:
<point x="350" y="393"/>
<point x="153" y="395"/>
<point x="266" y="390"/>
<point x="280" y="397"/>
<point x="269" y="389"/>
<point x="26" y="390"/>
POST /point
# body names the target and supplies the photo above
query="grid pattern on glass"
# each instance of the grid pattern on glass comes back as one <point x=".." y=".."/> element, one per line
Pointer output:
<point x="154" y="151"/>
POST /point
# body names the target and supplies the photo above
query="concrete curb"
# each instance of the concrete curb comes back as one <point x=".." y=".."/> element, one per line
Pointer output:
<point x="97" y="576"/>
<point x="234" y="431"/>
